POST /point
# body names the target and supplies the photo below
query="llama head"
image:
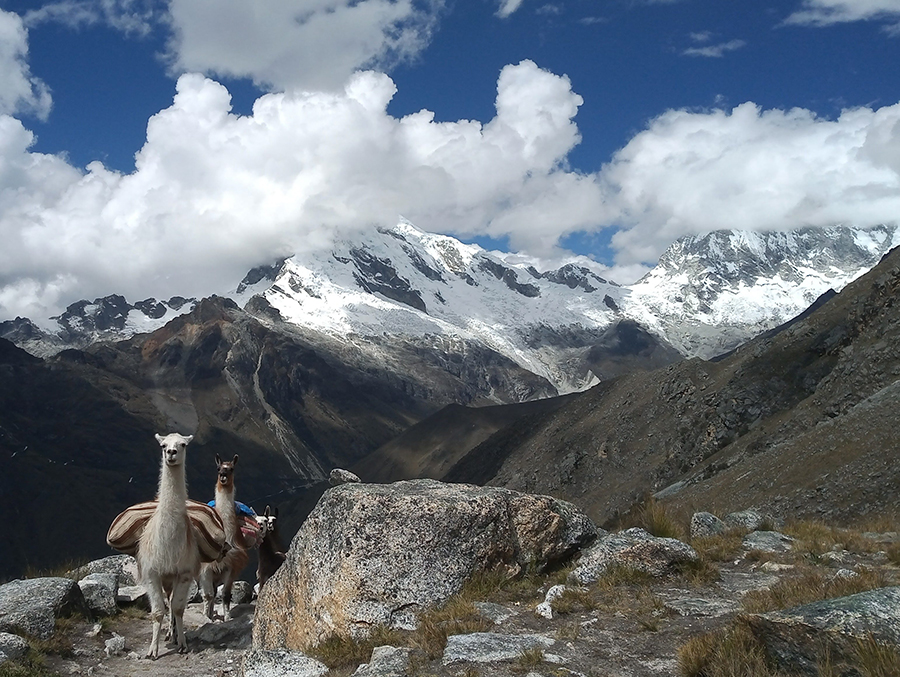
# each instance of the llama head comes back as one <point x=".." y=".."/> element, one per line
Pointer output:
<point x="174" y="447"/>
<point x="225" y="472"/>
<point x="269" y="520"/>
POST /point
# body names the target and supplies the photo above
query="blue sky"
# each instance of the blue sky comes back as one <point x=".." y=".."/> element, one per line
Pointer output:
<point x="605" y="129"/>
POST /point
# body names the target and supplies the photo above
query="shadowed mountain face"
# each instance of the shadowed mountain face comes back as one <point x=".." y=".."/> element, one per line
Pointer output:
<point x="76" y="431"/>
<point x="800" y="421"/>
<point x="72" y="457"/>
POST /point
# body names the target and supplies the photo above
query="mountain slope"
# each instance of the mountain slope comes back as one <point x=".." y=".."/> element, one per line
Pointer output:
<point x="710" y="293"/>
<point x="798" y="422"/>
<point x="410" y="290"/>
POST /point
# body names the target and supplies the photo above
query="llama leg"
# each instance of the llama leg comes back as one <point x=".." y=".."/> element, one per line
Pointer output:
<point x="226" y="595"/>
<point x="179" y="602"/>
<point x="208" y="588"/>
<point x="157" y="612"/>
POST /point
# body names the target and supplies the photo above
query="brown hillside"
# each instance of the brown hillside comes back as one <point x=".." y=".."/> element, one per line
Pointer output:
<point x="801" y="421"/>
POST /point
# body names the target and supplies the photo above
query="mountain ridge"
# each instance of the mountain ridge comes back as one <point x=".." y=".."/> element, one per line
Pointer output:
<point x="707" y="295"/>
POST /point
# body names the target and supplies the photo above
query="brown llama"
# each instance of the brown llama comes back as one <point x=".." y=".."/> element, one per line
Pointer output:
<point x="271" y="552"/>
<point x="225" y="571"/>
<point x="168" y="555"/>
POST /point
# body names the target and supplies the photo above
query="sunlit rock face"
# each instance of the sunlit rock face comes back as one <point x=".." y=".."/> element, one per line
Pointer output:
<point x="374" y="555"/>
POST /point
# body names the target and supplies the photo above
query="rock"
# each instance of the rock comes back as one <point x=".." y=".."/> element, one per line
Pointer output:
<point x="123" y="566"/>
<point x="545" y="608"/>
<point x="696" y="606"/>
<point x="740" y="583"/>
<point x="750" y="520"/>
<point x="12" y="646"/>
<point x="133" y="594"/>
<point x="100" y="592"/>
<point x="705" y="524"/>
<point x="487" y="647"/>
<point x="115" y="645"/>
<point x="495" y="613"/>
<point x="632" y="549"/>
<point x="775" y="567"/>
<point x="339" y="476"/>
<point x="386" y="661"/>
<point x="32" y="606"/>
<point x="796" y="638"/>
<point x="242" y="592"/>
<point x="768" y="541"/>
<point x="233" y="634"/>
<point x="280" y="663"/>
<point x="375" y="554"/>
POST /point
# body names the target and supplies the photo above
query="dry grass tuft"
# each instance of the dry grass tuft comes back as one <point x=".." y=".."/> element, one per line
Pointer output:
<point x="457" y="617"/>
<point x="573" y="600"/>
<point x="875" y="659"/>
<point x="340" y="652"/>
<point x="697" y="574"/>
<point x="810" y="586"/>
<point x="659" y="521"/>
<point x="31" y="665"/>
<point x="529" y="660"/>
<point x="722" y="548"/>
<point x="730" y="652"/>
<point x="814" y="539"/>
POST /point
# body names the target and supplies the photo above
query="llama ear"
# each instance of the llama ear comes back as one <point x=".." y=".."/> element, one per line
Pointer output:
<point x="188" y="439"/>
<point x="276" y="512"/>
<point x="159" y="438"/>
<point x="218" y="460"/>
<point x="234" y="461"/>
<point x="267" y="513"/>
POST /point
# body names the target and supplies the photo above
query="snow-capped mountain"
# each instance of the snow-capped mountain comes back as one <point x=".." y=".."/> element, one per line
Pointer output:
<point x="710" y="293"/>
<point x="403" y="282"/>
<point x="707" y="295"/>
<point x="86" y="322"/>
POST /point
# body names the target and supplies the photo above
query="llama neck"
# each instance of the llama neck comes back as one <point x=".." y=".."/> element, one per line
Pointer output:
<point x="272" y="542"/>
<point x="225" y="508"/>
<point x="172" y="488"/>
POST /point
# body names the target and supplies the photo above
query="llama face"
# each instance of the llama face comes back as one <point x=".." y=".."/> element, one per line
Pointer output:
<point x="225" y="471"/>
<point x="174" y="447"/>
<point x="268" y="520"/>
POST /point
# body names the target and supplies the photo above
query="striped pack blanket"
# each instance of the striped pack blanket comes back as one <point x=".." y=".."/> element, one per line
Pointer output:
<point x="126" y="529"/>
<point x="251" y="534"/>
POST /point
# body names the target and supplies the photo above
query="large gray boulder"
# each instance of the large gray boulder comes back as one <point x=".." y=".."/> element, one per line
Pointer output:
<point x="100" y="592"/>
<point x="375" y="554"/>
<point x="632" y="549"/>
<point x="796" y="638"/>
<point x="32" y="606"/>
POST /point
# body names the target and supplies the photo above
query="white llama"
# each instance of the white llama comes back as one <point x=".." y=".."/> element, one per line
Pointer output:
<point x="168" y="556"/>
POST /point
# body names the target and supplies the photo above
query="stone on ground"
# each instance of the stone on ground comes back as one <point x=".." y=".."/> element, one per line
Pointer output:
<point x="32" y="606"/>
<point x="796" y="639"/>
<point x="374" y="554"/>
<point x="632" y="549"/>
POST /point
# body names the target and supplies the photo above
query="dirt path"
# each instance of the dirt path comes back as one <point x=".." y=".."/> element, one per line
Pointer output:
<point x="205" y="658"/>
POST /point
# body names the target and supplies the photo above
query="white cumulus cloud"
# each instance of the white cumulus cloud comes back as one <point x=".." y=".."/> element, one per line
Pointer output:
<point x="20" y="92"/>
<point x="214" y="194"/>
<point x="297" y="44"/>
<point x="751" y="169"/>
